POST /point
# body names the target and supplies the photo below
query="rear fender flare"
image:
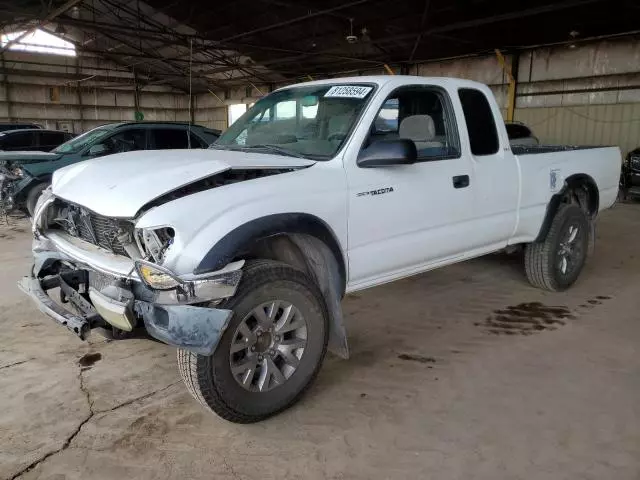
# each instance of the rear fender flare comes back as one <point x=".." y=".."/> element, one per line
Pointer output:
<point x="556" y="200"/>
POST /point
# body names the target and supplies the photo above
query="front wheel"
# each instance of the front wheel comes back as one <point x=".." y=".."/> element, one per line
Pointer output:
<point x="555" y="263"/>
<point x="271" y="350"/>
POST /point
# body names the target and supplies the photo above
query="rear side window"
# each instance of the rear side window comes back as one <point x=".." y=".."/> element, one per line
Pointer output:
<point x="168" y="138"/>
<point x="52" y="138"/>
<point x="18" y="140"/>
<point x="483" y="135"/>
<point x="196" y="142"/>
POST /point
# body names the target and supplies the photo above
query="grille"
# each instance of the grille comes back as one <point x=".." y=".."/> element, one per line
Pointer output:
<point x="93" y="228"/>
<point x="105" y="230"/>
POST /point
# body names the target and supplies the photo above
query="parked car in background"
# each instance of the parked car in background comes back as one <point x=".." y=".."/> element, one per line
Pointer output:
<point x="240" y="254"/>
<point x="630" y="175"/>
<point x="520" y="134"/>
<point x="34" y="169"/>
<point x="17" y="126"/>
<point x="32" y="139"/>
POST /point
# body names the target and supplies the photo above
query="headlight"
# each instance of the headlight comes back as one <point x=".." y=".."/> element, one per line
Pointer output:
<point x="156" y="277"/>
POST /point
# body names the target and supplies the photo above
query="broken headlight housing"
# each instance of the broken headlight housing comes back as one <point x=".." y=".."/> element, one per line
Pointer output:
<point x="154" y="242"/>
<point x="156" y="277"/>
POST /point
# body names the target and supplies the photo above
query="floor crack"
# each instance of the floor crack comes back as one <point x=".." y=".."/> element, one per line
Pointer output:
<point x="91" y="414"/>
<point x="137" y="399"/>
<point x="69" y="439"/>
<point x="15" y="363"/>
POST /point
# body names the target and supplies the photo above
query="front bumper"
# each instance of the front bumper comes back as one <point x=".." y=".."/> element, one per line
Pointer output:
<point x="191" y="327"/>
<point x="104" y="290"/>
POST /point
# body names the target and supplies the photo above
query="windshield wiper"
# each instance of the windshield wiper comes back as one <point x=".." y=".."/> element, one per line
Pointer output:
<point x="276" y="149"/>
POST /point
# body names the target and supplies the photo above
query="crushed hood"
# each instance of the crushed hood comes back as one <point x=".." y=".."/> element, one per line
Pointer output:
<point x="120" y="185"/>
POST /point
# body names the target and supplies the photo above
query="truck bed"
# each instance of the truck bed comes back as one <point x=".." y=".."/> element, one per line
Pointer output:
<point x="534" y="149"/>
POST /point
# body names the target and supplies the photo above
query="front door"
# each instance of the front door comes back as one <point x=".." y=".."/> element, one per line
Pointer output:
<point x="404" y="218"/>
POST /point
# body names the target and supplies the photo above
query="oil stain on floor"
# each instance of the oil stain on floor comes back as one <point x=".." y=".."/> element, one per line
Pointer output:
<point x="526" y="319"/>
<point x="89" y="359"/>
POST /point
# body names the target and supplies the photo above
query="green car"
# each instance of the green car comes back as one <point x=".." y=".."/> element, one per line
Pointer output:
<point x="26" y="174"/>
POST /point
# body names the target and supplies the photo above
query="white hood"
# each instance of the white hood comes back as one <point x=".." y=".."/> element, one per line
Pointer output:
<point x="120" y="185"/>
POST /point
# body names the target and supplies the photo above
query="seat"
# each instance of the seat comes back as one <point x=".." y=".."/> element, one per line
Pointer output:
<point x="339" y="125"/>
<point x="421" y="130"/>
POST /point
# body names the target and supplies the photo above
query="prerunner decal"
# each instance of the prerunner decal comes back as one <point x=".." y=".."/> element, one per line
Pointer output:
<point x="348" y="91"/>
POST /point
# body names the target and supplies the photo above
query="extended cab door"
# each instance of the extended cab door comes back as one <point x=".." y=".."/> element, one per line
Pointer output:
<point x="496" y="175"/>
<point x="404" y="218"/>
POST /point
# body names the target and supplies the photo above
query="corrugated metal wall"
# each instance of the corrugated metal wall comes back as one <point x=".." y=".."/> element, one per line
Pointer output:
<point x="617" y="124"/>
<point x="585" y="95"/>
<point x="38" y="95"/>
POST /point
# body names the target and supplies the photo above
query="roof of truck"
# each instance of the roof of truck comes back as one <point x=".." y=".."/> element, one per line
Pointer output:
<point x="397" y="80"/>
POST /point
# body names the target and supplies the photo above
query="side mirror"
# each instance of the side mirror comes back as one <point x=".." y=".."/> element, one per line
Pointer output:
<point x="387" y="153"/>
<point x="97" y="150"/>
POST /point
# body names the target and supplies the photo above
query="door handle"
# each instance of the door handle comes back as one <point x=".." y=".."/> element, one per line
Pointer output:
<point x="461" y="181"/>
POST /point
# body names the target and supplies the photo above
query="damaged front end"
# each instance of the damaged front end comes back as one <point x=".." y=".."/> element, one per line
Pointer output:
<point x="9" y="177"/>
<point x="102" y="271"/>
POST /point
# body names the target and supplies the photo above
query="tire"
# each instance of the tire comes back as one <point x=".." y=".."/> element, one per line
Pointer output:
<point x="33" y="196"/>
<point x="210" y="379"/>
<point x="544" y="260"/>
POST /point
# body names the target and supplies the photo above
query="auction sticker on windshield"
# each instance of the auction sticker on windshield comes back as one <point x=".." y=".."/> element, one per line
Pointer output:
<point x="348" y="91"/>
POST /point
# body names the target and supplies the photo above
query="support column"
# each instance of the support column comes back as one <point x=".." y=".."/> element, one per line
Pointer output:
<point x="79" y="98"/>
<point x="512" y="75"/>
<point x="7" y="89"/>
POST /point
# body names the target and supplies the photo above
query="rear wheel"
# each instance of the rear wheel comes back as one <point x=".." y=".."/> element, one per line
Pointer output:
<point x="556" y="263"/>
<point x="271" y="350"/>
<point x="33" y="196"/>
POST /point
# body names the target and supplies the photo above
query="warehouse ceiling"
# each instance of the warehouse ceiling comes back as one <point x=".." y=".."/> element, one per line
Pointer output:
<point x="206" y="45"/>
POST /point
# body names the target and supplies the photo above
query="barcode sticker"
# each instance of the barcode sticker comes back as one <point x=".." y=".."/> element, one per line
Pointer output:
<point x="348" y="91"/>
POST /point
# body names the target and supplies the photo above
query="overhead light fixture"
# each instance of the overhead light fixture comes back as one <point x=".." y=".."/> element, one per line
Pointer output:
<point x="351" y="38"/>
<point x="573" y="34"/>
<point x="365" y="34"/>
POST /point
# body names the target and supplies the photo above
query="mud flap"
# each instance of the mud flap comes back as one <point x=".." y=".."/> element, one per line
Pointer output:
<point x="321" y="262"/>
<point x="592" y="237"/>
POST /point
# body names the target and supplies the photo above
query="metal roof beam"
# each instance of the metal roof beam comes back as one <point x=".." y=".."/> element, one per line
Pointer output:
<point x="41" y="23"/>
<point x="291" y="21"/>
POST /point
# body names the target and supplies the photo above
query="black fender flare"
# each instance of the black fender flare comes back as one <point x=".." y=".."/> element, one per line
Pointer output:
<point x="243" y="237"/>
<point x="557" y="199"/>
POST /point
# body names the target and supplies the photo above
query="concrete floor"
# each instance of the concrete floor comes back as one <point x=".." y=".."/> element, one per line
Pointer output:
<point x="445" y="381"/>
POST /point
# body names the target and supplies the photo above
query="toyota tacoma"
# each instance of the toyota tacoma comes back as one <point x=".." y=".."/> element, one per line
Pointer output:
<point x="240" y="254"/>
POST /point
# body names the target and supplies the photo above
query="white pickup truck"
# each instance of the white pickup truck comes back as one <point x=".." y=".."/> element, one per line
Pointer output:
<point x="240" y="254"/>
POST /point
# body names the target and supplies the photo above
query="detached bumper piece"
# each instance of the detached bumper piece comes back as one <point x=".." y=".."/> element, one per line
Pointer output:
<point x="80" y="323"/>
<point x="197" y="329"/>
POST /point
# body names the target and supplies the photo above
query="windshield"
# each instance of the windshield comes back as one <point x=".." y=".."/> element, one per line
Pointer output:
<point x="80" y="142"/>
<point x="312" y="121"/>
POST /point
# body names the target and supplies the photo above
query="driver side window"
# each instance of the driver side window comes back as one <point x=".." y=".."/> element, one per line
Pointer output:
<point x="422" y="114"/>
<point x="126" y="141"/>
